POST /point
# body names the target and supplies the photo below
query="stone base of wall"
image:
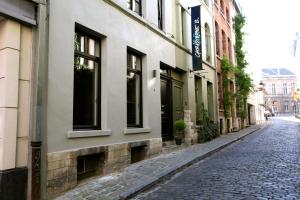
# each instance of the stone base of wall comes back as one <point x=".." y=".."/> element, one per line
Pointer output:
<point x="62" y="166"/>
<point x="190" y="134"/>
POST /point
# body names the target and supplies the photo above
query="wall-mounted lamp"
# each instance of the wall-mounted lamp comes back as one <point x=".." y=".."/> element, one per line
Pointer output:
<point x="154" y="73"/>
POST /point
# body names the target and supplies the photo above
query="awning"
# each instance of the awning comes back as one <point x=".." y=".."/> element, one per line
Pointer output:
<point x="20" y="10"/>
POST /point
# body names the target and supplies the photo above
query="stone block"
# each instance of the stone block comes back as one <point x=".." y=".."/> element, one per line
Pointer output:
<point x="61" y="172"/>
<point x="8" y="134"/>
<point x="24" y="109"/>
<point x="53" y="165"/>
<point x="10" y="34"/>
<point x="26" y="53"/>
<point x="9" y="84"/>
<point x="22" y="152"/>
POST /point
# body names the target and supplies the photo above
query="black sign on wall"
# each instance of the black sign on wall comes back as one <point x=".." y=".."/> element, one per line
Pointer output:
<point x="196" y="39"/>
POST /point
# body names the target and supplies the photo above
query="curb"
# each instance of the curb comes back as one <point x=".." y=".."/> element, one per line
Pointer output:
<point x="177" y="168"/>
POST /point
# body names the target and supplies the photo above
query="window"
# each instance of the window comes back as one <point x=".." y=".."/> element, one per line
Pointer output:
<point x="285" y="88"/>
<point x="223" y="42"/>
<point x="220" y="91"/>
<point x="207" y="43"/>
<point x="286" y="107"/>
<point x="182" y="14"/>
<point x="273" y="89"/>
<point x="217" y="39"/>
<point x="160" y="14"/>
<point x="210" y="100"/>
<point x="134" y="90"/>
<point x="86" y="100"/>
<point x="227" y="15"/>
<point x="135" y="6"/>
<point x="229" y="49"/>
<point x="198" y="98"/>
<point x="222" y="6"/>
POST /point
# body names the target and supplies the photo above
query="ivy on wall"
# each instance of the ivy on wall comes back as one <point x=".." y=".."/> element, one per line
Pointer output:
<point x="243" y="80"/>
<point x="227" y="69"/>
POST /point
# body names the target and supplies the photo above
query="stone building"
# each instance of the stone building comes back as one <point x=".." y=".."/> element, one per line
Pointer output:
<point x="19" y="45"/>
<point x="224" y="11"/>
<point x="89" y="91"/>
<point x="279" y="83"/>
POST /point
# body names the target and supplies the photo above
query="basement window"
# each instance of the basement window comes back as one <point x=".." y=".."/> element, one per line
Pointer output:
<point x="90" y="165"/>
<point x="138" y="153"/>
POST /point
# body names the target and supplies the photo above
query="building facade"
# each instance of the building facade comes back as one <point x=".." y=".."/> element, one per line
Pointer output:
<point x="119" y="75"/>
<point x="225" y="10"/>
<point x="19" y="149"/>
<point x="89" y="91"/>
<point x="280" y="83"/>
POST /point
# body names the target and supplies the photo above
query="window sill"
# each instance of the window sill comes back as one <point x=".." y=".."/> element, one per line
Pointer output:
<point x="129" y="131"/>
<point x="88" y="133"/>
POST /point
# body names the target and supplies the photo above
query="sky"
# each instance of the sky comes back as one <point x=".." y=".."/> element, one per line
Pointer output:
<point x="270" y="33"/>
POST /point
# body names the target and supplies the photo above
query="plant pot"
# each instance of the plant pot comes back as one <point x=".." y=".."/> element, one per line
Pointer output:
<point x="178" y="141"/>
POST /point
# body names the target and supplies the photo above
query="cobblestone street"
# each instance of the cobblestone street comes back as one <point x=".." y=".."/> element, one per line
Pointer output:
<point x="264" y="165"/>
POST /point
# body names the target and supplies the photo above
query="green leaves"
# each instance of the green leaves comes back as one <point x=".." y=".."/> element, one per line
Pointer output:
<point x="243" y="80"/>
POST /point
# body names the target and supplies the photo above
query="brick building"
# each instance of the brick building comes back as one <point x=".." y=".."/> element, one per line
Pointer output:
<point x="280" y="83"/>
<point x="225" y="10"/>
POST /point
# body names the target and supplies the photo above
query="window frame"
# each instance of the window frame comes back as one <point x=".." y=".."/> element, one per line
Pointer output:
<point x="217" y="32"/>
<point x="207" y="43"/>
<point x="131" y="2"/>
<point x="285" y="88"/>
<point x="87" y="33"/>
<point x="160" y="14"/>
<point x="140" y="72"/>
<point x="224" y="45"/>
<point x="273" y="86"/>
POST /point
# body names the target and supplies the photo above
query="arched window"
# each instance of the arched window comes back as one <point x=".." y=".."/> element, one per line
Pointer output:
<point x="207" y="43"/>
<point x="227" y="15"/>
<point x="217" y="39"/>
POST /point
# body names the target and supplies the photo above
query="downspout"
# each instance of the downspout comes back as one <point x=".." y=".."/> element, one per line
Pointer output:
<point x="38" y="107"/>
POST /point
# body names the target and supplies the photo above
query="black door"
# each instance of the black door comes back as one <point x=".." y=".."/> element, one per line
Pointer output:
<point x="166" y="111"/>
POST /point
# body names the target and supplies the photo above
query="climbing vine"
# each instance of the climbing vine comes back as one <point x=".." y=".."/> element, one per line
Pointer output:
<point x="227" y="69"/>
<point x="243" y="80"/>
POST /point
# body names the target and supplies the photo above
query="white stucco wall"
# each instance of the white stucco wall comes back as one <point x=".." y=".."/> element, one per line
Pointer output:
<point x="121" y="31"/>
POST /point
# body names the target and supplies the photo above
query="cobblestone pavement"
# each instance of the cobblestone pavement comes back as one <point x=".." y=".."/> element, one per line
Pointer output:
<point x="265" y="165"/>
<point x="142" y="174"/>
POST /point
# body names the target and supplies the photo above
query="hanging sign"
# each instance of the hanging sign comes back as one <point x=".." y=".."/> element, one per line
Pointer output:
<point x="196" y="39"/>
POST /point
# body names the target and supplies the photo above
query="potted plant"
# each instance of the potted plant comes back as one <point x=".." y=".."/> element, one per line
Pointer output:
<point x="179" y="126"/>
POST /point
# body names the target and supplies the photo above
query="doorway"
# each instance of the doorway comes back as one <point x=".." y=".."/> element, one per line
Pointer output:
<point x="166" y="108"/>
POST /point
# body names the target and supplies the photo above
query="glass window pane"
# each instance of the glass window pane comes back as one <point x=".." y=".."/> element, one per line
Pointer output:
<point x="85" y="92"/>
<point x="129" y="4"/>
<point x="136" y="8"/>
<point x="134" y="62"/>
<point x="133" y="99"/>
<point x="91" y="49"/>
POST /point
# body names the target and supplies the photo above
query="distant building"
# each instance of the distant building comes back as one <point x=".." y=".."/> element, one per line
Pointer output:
<point x="279" y="86"/>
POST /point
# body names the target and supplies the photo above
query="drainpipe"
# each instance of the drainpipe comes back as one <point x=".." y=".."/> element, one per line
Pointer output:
<point x="38" y="111"/>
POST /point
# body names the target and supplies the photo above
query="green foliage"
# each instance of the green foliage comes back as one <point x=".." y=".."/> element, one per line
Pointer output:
<point x="179" y="125"/>
<point x="227" y="69"/>
<point x="243" y="80"/>
<point x="209" y="129"/>
<point x="239" y="23"/>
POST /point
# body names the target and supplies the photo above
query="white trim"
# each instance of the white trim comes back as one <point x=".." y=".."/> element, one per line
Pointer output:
<point x="88" y="133"/>
<point x="129" y="131"/>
